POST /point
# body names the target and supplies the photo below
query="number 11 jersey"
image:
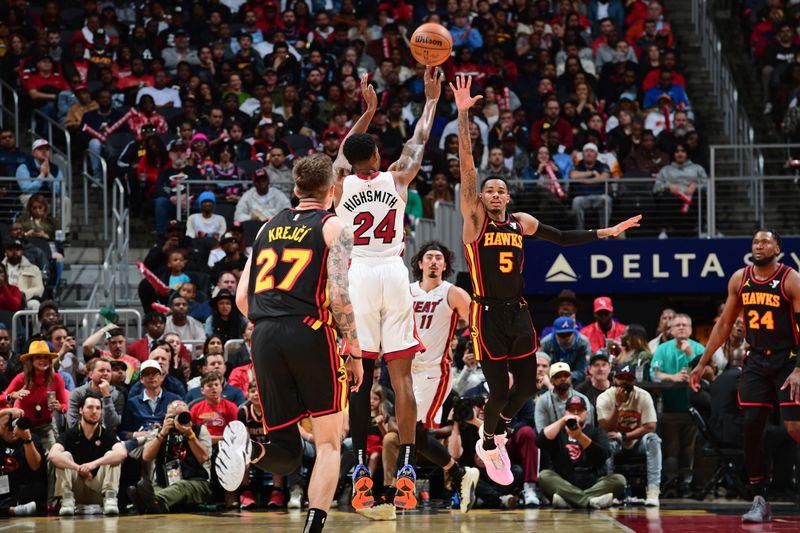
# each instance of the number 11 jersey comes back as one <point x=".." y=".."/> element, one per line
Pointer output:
<point x="373" y="208"/>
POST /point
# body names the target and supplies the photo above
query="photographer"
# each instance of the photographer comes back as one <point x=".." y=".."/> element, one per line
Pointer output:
<point x="22" y="464"/>
<point x="578" y="455"/>
<point x="182" y="453"/>
<point x="87" y="459"/>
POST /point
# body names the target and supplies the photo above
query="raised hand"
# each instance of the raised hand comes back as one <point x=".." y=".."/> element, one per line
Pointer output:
<point x="632" y="222"/>
<point x="461" y="93"/>
<point x="434" y="77"/>
<point x="368" y="92"/>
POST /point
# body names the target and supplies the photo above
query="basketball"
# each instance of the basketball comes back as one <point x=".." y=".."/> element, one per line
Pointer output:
<point x="431" y="44"/>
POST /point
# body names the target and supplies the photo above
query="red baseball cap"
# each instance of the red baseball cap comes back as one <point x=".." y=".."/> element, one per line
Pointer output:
<point x="603" y="303"/>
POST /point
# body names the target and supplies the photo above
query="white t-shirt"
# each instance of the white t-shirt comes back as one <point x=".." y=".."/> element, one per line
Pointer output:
<point x="637" y="411"/>
<point x="198" y="223"/>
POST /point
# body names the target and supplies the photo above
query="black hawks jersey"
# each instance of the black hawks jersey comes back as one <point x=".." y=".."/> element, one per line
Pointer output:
<point x="495" y="260"/>
<point x="289" y="274"/>
<point x="768" y="313"/>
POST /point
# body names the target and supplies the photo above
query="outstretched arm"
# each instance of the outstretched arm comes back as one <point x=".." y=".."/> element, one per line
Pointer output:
<point x="533" y="227"/>
<point x="341" y="167"/>
<point x="339" y="239"/>
<point x="407" y="167"/>
<point x="471" y="208"/>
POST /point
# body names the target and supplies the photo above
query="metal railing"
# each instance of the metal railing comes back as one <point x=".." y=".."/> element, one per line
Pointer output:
<point x="81" y="323"/>
<point x="736" y="123"/>
<point x="113" y="286"/>
<point x="61" y="146"/>
<point x="101" y="182"/>
<point x="231" y="345"/>
<point x="7" y="92"/>
<point x="187" y="188"/>
<point x="12" y="203"/>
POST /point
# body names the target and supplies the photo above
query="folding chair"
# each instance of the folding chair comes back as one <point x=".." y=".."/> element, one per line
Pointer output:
<point x="729" y="460"/>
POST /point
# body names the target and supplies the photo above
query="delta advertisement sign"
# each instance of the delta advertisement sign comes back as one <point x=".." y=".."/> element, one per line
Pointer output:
<point x="678" y="266"/>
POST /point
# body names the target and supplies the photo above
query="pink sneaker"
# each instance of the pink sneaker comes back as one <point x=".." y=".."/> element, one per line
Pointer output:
<point x="497" y="463"/>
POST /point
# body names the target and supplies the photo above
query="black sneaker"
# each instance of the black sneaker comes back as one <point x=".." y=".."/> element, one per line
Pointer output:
<point x="152" y="503"/>
<point x="133" y="496"/>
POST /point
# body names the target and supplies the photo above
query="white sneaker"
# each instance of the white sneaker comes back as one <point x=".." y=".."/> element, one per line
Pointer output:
<point x="466" y="492"/>
<point x="67" y="508"/>
<point x="110" y="506"/>
<point x="560" y="503"/>
<point x="26" y="509"/>
<point x="651" y="499"/>
<point x="601" y="502"/>
<point x="529" y="495"/>
<point x="295" y="498"/>
<point x="90" y="509"/>
<point x="381" y="511"/>
<point x="233" y="457"/>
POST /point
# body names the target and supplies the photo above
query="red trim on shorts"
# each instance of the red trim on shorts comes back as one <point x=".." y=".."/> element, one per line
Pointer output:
<point x="751" y="404"/>
<point x="509" y="358"/>
<point x="408" y="352"/>
<point x="787" y="404"/>
<point x="421" y="344"/>
<point x="333" y="354"/>
<point x="366" y="354"/>
<point x="286" y="424"/>
<point x="438" y="398"/>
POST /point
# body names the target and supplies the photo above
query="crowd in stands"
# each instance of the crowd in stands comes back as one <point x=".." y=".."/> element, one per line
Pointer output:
<point x="107" y="424"/>
<point x="578" y="96"/>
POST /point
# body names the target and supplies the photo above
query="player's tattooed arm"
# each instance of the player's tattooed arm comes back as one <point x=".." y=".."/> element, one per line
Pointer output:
<point x="338" y="285"/>
<point x="471" y="208"/>
<point x="407" y="167"/>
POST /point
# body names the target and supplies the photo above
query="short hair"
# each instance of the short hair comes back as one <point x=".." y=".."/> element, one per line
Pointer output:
<point x="313" y="175"/>
<point x="490" y="178"/>
<point x="95" y="361"/>
<point x="775" y="235"/>
<point x="208" y="378"/>
<point x="89" y="395"/>
<point x="684" y="315"/>
<point x="427" y="247"/>
<point x="115" y="332"/>
<point x="207" y="356"/>
<point x="359" y="147"/>
<point x="52" y="329"/>
<point x="153" y="317"/>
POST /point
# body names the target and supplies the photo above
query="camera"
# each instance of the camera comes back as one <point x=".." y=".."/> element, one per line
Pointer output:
<point x="183" y="418"/>
<point x="23" y="423"/>
<point x="572" y="424"/>
<point x="462" y="407"/>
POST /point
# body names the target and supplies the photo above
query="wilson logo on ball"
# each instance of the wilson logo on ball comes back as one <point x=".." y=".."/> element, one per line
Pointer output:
<point x="424" y="39"/>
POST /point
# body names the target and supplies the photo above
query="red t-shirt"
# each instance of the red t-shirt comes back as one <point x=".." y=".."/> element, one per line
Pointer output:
<point x="214" y="418"/>
<point x="52" y="84"/>
<point x="597" y="339"/>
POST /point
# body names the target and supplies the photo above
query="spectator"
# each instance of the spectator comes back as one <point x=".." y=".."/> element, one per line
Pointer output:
<point x="11" y="157"/>
<point x="588" y="187"/>
<point x="87" y="459"/>
<point x="241" y="355"/>
<point x="99" y="384"/>
<point x="84" y="104"/>
<point x="181" y="453"/>
<point x="441" y="192"/>
<point x="600" y="9"/>
<point x="565" y="304"/>
<point x="22" y="457"/>
<point x="628" y="414"/>
<point x="577" y="478"/>
<point x="672" y="360"/>
<point x="261" y="202"/>
<point x="154" y="323"/>
<point x="214" y="363"/>
<point x="11" y="298"/>
<point x="116" y="343"/>
<point x="39" y="166"/>
<point x="234" y="260"/>
<point x="663" y="333"/>
<point x="44" y="85"/>
<point x="167" y="185"/>
<point x="597" y="382"/>
<point x="162" y="353"/>
<point x="543" y="384"/>
<point x="635" y="351"/>
<point x="681" y="178"/>
<point x="655" y="11"/>
<point x="735" y="341"/>
<point x="119" y="373"/>
<point x="280" y="175"/>
<point x="179" y="53"/>
<point x="206" y="224"/>
<point x="566" y="344"/>
<point x="30" y="391"/>
<point x="143" y="121"/>
<point x="666" y="86"/>
<point x="162" y="95"/>
<point x="225" y="321"/>
<point x="647" y="159"/>
<point x="551" y="121"/>
<point x="606" y="328"/>
<point x="144" y="412"/>
<point x="551" y="405"/>
<point x="178" y="321"/>
<point x="213" y="411"/>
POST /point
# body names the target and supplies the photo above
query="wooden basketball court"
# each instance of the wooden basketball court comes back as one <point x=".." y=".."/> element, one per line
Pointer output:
<point x="691" y="517"/>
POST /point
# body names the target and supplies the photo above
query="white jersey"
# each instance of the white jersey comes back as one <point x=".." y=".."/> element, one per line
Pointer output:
<point x="436" y="323"/>
<point x="374" y="210"/>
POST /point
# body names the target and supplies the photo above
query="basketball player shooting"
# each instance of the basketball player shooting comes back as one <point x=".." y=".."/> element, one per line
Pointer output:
<point x="373" y="204"/>
<point x="502" y="332"/>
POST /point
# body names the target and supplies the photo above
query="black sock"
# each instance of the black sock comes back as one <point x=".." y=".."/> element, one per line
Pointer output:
<point x="502" y="425"/>
<point x="406" y="456"/>
<point x="456" y="472"/>
<point x="315" y="521"/>
<point x="488" y="441"/>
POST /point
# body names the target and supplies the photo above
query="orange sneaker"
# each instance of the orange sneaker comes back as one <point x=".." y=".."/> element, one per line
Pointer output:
<point x="362" y="488"/>
<point x="406" y="497"/>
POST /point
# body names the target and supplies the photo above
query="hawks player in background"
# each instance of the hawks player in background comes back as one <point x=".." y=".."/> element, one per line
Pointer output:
<point x="502" y="331"/>
<point x="768" y="293"/>
<point x="437" y="306"/>
<point x="293" y="288"/>
<point x="373" y="204"/>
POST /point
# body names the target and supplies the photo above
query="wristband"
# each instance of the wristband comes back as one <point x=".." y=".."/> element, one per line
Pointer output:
<point x="160" y="437"/>
<point x="191" y="436"/>
<point x="29" y="441"/>
<point x="623" y="435"/>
